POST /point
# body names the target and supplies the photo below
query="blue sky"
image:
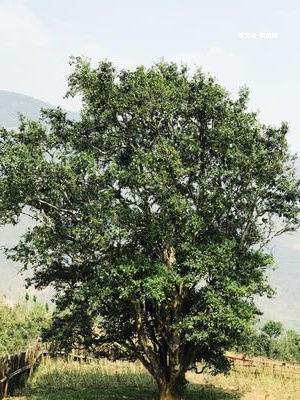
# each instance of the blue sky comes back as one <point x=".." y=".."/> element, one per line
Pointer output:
<point x="37" y="37"/>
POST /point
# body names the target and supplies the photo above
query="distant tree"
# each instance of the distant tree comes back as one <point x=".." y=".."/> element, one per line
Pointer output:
<point x="273" y="342"/>
<point x="153" y="212"/>
<point x="266" y="343"/>
<point x="288" y="346"/>
<point x="34" y="298"/>
<point x="273" y="329"/>
<point x="27" y="296"/>
<point x="262" y="346"/>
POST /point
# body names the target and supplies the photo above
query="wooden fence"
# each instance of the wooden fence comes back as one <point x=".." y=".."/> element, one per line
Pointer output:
<point x="259" y="365"/>
<point x="15" y="370"/>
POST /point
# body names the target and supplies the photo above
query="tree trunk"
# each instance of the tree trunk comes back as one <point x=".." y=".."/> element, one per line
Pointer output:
<point x="170" y="392"/>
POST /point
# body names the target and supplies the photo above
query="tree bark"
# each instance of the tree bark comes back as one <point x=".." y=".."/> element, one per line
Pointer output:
<point x="170" y="392"/>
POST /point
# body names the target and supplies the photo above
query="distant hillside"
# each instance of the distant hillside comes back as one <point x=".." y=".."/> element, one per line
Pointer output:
<point x="285" y="306"/>
<point x="11" y="104"/>
<point x="11" y="282"/>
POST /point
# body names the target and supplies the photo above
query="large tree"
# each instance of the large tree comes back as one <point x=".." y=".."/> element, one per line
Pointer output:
<point x="152" y="214"/>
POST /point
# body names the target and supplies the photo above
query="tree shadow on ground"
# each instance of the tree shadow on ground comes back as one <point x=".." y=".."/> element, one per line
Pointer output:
<point x="210" y="392"/>
<point x="92" y="385"/>
<point x="195" y="392"/>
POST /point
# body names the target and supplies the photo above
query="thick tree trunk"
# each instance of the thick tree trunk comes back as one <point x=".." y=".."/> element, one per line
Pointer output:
<point x="170" y="392"/>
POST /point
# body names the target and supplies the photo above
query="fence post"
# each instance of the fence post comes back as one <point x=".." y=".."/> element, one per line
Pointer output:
<point x="16" y="369"/>
<point x="5" y="388"/>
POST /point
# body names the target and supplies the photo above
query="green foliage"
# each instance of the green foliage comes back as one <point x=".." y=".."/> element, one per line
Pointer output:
<point x="273" y="329"/>
<point x="20" y="326"/>
<point x="288" y="347"/>
<point x="152" y="213"/>
<point x="272" y="342"/>
<point x="285" y="348"/>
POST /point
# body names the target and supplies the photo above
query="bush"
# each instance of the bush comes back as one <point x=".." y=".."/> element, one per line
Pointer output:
<point x="20" y="325"/>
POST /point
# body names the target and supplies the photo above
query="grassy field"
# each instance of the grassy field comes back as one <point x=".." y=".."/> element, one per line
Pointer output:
<point x="57" y="380"/>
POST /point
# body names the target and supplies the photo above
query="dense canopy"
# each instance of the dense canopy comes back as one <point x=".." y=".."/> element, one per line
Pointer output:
<point x="152" y="214"/>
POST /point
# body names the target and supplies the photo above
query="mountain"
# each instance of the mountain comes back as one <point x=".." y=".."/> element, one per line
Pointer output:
<point x="11" y="104"/>
<point x="284" y="307"/>
<point x="11" y="282"/>
<point x="285" y="278"/>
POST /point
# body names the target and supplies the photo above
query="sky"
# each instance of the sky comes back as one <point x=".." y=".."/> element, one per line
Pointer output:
<point x="253" y="43"/>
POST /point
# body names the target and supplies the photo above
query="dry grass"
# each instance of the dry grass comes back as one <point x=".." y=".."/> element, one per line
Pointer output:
<point x="55" y="374"/>
<point x="260" y="382"/>
<point x="58" y="380"/>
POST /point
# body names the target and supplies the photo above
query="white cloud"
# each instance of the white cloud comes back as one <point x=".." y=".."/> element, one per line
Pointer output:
<point x="19" y="26"/>
<point x="97" y="51"/>
<point x="215" y="51"/>
<point x="296" y="247"/>
<point x="226" y="66"/>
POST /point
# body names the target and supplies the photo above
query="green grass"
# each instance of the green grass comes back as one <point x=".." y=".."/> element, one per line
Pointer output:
<point x="126" y="393"/>
<point x="57" y="380"/>
<point x="93" y="394"/>
<point x="104" y="380"/>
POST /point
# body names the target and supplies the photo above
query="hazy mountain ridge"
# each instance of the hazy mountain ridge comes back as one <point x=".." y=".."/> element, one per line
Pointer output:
<point x="285" y="278"/>
<point x="11" y="281"/>
<point x="285" y="307"/>
<point x="11" y="104"/>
